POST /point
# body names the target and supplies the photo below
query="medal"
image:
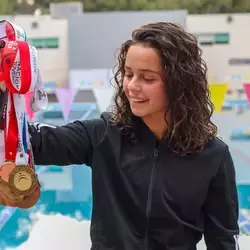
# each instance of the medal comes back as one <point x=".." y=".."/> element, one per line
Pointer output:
<point x="5" y="188"/>
<point x="19" y="185"/>
<point x="18" y="179"/>
<point x="23" y="180"/>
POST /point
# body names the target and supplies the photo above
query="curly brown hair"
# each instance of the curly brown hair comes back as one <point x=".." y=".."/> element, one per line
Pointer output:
<point x="187" y="91"/>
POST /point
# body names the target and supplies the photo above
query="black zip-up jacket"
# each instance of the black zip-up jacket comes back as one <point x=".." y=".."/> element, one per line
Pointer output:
<point x="144" y="196"/>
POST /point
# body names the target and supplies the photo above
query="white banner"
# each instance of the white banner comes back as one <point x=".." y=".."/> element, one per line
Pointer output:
<point x="89" y="79"/>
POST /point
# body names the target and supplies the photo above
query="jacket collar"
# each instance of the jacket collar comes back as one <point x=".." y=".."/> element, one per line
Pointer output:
<point x="145" y="135"/>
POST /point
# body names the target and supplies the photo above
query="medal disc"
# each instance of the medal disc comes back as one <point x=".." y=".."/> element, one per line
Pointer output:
<point x="22" y="180"/>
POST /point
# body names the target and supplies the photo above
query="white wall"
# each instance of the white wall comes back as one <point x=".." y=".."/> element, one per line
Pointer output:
<point x="217" y="56"/>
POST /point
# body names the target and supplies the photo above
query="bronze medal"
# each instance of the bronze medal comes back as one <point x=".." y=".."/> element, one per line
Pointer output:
<point x="5" y="190"/>
<point x="22" y="180"/>
<point x="6" y="169"/>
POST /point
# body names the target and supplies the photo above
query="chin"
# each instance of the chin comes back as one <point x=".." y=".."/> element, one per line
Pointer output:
<point x="139" y="113"/>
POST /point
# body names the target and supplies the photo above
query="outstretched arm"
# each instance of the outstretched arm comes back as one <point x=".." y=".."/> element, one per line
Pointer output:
<point x="65" y="145"/>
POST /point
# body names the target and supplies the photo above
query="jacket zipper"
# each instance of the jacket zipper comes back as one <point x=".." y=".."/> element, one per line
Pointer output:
<point x="149" y="200"/>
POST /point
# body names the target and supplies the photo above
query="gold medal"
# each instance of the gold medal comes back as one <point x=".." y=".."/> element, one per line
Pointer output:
<point x="22" y="180"/>
<point x="18" y="183"/>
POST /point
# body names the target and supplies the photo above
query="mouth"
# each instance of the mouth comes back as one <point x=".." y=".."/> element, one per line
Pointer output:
<point x="138" y="100"/>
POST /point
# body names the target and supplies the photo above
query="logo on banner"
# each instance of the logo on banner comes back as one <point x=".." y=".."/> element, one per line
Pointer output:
<point x="15" y="73"/>
<point x="34" y="59"/>
<point x="237" y="77"/>
<point x="92" y="84"/>
<point x="13" y="45"/>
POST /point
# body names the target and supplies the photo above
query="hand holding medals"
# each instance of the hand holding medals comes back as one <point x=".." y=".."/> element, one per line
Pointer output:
<point x="19" y="185"/>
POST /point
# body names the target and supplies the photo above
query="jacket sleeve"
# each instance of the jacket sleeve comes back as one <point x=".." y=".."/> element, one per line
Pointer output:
<point x="65" y="145"/>
<point x="221" y="208"/>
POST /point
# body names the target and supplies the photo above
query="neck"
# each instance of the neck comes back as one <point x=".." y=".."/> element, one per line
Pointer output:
<point x="157" y="124"/>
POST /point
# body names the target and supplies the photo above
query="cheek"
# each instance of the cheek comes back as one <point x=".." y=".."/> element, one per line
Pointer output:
<point x="163" y="97"/>
<point x="160" y="100"/>
<point x="158" y="95"/>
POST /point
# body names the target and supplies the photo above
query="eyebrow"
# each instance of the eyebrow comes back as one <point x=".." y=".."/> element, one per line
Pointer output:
<point x="144" y="70"/>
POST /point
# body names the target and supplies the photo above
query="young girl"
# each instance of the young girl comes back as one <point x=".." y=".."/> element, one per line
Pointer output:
<point x="160" y="176"/>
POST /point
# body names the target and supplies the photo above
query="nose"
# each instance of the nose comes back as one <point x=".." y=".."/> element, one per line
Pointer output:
<point x="134" y="85"/>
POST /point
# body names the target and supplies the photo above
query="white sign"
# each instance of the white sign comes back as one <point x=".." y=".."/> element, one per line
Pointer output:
<point x="90" y="79"/>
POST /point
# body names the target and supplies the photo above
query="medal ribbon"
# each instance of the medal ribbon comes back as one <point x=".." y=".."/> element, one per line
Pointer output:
<point x="11" y="32"/>
<point x="21" y="75"/>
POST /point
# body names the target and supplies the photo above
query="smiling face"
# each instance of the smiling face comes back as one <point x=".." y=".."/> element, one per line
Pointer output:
<point x="172" y="78"/>
<point x="143" y="84"/>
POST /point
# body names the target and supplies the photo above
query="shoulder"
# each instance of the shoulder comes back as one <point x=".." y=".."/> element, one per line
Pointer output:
<point x="98" y="128"/>
<point x="217" y="146"/>
<point x="99" y="124"/>
<point x="106" y="116"/>
<point x="215" y="149"/>
<point x="218" y="152"/>
<point x="212" y="153"/>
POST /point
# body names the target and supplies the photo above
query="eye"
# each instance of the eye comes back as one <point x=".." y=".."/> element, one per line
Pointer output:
<point x="147" y="79"/>
<point x="129" y="76"/>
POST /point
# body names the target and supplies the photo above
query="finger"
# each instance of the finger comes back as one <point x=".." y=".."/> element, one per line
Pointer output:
<point x="3" y="86"/>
